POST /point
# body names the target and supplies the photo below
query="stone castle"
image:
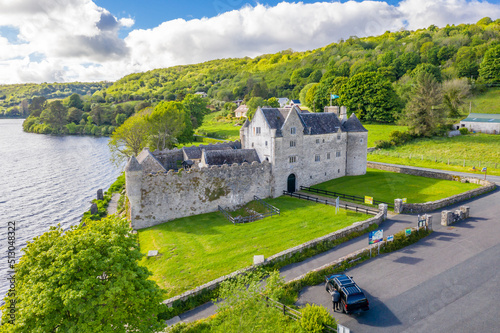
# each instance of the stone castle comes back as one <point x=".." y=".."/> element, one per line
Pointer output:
<point x="279" y="150"/>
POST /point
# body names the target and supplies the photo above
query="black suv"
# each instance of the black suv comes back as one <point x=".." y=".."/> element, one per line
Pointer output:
<point x="352" y="298"/>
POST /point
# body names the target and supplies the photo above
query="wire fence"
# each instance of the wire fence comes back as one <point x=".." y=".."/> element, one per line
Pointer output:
<point x="472" y="164"/>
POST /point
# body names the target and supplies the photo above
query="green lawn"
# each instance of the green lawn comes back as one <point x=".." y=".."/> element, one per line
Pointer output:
<point x="387" y="186"/>
<point x="220" y="129"/>
<point x="489" y="102"/>
<point x="197" y="249"/>
<point x="381" y="132"/>
<point x="478" y="150"/>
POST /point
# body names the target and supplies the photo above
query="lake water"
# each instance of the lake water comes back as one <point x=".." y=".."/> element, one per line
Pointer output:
<point x="46" y="180"/>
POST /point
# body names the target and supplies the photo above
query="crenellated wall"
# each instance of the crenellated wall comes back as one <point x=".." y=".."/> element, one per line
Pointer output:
<point x="169" y="195"/>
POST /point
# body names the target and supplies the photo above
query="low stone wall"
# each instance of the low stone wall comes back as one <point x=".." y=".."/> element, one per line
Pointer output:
<point x="356" y="227"/>
<point x="418" y="208"/>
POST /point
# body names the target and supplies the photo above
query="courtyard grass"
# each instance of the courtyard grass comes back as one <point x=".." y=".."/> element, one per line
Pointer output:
<point x="220" y="129"/>
<point x="474" y="150"/>
<point x="377" y="132"/>
<point x="387" y="186"/>
<point x="197" y="249"/>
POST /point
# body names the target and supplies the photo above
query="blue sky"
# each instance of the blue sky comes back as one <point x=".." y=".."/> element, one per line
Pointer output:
<point x="94" y="40"/>
<point x="151" y="13"/>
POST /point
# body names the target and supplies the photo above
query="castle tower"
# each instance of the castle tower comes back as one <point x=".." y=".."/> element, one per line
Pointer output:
<point x="133" y="186"/>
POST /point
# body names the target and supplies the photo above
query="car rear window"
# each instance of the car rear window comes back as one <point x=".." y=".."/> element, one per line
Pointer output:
<point x="356" y="298"/>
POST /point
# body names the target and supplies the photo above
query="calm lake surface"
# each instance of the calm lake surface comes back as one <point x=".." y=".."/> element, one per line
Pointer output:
<point x="46" y="180"/>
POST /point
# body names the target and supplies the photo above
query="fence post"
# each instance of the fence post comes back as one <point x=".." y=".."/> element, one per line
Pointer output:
<point x="284" y="309"/>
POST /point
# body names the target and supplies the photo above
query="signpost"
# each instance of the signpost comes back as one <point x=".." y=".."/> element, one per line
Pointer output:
<point x="337" y="203"/>
<point x="376" y="236"/>
<point x="368" y="200"/>
<point x="422" y="222"/>
<point x="404" y="200"/>
<point x="484" y="170"/>
<point x="408" y="232"/>
<point x="390" y="238"/>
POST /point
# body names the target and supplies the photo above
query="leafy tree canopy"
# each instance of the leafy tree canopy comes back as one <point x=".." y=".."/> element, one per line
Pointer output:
<point x="86" y="279"/>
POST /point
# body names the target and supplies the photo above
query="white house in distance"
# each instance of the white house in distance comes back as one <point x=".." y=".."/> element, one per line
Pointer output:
<point x="241" y="111"/>
<point x="482" y="123"/>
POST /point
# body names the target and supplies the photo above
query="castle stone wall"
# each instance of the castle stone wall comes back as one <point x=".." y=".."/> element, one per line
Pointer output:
<point x="171" y="195"/>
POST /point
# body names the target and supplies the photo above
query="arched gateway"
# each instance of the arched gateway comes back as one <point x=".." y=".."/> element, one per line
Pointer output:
<point x="291" y="183"/>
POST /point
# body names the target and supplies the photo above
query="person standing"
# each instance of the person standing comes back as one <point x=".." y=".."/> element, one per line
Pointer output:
<point x="336" y="300"/>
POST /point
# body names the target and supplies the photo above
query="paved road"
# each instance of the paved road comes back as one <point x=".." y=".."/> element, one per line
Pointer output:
<point x="448" y="282"/>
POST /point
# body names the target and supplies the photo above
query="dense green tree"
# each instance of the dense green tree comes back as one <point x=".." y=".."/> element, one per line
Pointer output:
<point x="371" y="96"/>
<point x="55" y="115"/>
<point x="429" y="68"/>
<point x="75" y="102"/>
<point x="466" y="62"/>
<point x="423" y="113"/>
<point x="455" y="93"/>
<point x="130" y="138"/>
<point x="86" y="279"/>
<point x="74" y="115"/>
<point x="490" y="66"/>
<point x="166" y="123"/>
<point x="197" y="107"/>
<point x="272" y="102"/>
<point x="38" y="104"/>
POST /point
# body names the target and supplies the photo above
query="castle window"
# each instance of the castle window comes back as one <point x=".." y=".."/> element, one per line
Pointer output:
<point x="252" y="144"/>
<point x="292" y="143"/>
<point x="327" y="156"/>
<point x="317" y="140"/>
<point x="337" y="154"/>
<point x="292" y="159"/>
<point x="338" y="171"/>
<point x="293" y="130"/>
<point x="317" y="158"/>
<point x="323" y="140"/>
<point x="257" y="130"/>
<point x="338" y="136"/>
<point x="266" y="143"/>
<point x="360" y="140"/>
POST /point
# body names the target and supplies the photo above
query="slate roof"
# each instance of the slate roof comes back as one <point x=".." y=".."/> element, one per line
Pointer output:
<point x="220" y="157"/>
<point x="483" y="118"/>
<point x="353" y="125"/>
<point x="320" y="123"/>
<point x="314" y="123"/>
<point x="194" y="152"/>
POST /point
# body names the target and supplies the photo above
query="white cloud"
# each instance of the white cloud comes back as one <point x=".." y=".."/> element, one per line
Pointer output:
<point x="80" y="40"/>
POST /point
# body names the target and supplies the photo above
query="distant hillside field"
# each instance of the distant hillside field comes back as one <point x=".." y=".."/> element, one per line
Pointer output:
<point x="489" y="102"/>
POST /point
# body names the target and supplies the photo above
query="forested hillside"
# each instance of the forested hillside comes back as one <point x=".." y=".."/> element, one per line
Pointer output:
<point x="379" y="78"/>
<point x="13" y="95"/>
<point x="448" y="53"/>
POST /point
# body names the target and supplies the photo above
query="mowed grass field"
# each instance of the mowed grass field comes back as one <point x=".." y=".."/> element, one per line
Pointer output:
<point x="477" y="150"/>
<point x="197" y="249"/>
<point x="381" y="132"/>
<point x="387" y="186"/>
<point x="489" y="102"/>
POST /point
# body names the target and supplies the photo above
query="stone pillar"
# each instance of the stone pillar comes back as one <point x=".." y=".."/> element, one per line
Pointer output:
<point x="466" y="211"/>
<point x="428" y="219"/>
<point x="100" y="196"/>
<point x="398" y="206"/>
<point x="93" y="209"/>
<point x="383" y="208"/>
<point x="446" y="217"/>
<point x="460" y="214"/>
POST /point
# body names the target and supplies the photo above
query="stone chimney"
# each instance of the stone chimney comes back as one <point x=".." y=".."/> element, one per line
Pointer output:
<point x="332" y="109"/>
<point x="343" y="114"/>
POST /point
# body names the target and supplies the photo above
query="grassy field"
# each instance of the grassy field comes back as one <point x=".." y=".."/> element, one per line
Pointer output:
<point x="381" y="132"/>
<point x="489" y="102"/>
<point x="197" y="249"/>
<point x="220" y="129"/>
<point x="387" y="186"/>
<point x="477" y="150"/>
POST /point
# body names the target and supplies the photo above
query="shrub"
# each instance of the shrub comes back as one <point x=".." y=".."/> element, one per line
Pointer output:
<point x="464" y="131"/>
<point x="315" y="318"/>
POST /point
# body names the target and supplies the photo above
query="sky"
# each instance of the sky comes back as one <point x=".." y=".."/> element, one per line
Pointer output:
<point x="96" y="40"/>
